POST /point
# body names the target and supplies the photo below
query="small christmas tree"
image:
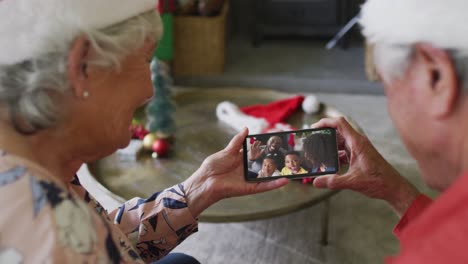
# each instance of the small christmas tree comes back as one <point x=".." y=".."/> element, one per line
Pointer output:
<point x="160" y="109"/>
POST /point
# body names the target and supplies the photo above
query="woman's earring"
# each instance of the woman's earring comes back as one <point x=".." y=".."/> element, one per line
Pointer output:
<point x="85" y="94"/>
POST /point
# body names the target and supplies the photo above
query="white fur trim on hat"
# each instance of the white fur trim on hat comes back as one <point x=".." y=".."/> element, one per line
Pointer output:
<point x="311" y="104"/>
<point x="31" y="27"/>
<point x="231" y="115"/>
<point x="440" y="23"/>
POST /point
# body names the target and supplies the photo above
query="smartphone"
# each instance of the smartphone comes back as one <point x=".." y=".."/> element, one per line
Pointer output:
<point x="292" y="154"/>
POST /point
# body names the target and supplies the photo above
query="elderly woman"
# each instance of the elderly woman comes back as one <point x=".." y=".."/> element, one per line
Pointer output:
<point x="72" y="72"/>
<point x="421" y="53"/>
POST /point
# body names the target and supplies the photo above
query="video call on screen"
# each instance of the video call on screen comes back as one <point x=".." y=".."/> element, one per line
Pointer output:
<point x="295" y="153"/>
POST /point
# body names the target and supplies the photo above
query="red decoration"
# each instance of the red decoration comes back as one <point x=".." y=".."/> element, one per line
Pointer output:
<point x="277" y="111"/>
<point x="161" y="147"/>
<point x="291" y="140"/>
<point x="138" y="131"/>
<point x="307" y="180"/>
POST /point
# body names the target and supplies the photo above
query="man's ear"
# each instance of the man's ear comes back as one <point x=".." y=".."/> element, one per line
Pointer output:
<point x="441" y="77"/>
<point x="77" y="67"/>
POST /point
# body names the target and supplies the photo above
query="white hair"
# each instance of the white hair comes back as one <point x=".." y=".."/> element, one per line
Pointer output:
<point x="28" y="89"/>
<point x="393" y="61"/>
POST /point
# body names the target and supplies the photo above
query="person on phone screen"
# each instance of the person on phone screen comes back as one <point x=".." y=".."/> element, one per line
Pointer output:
<point x="269" y="167"/>
<point x="292" y="164"/>
<point x="423" y="66"/>
<point x="318" y="153"/>
<point x="273" y="148"/>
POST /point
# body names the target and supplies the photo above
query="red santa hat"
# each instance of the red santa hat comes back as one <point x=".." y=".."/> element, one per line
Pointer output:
<point x="263" y="118"/>
<point x="275" y="112"/>
<point x="32" y="27"/>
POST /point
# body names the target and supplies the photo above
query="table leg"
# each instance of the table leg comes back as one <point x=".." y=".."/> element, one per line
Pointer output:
<point x="325" y="221"/>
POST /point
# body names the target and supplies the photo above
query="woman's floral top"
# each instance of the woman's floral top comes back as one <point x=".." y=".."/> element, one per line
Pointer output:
<point x="44" y="221"/>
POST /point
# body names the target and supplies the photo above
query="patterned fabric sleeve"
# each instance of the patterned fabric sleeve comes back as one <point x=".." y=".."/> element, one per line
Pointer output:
<point x="154" y="225"/>
<point x="157" y="224"/>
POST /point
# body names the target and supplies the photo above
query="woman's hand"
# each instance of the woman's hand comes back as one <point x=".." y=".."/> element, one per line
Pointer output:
<point x="220" y="176"/>
<point x="369" y="173"/>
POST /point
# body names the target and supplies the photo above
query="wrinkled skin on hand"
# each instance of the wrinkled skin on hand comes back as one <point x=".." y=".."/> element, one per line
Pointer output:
<point x="369" y="173"/>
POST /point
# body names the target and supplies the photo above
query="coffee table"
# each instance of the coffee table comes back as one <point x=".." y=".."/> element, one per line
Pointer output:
<point x="199" y="134"/>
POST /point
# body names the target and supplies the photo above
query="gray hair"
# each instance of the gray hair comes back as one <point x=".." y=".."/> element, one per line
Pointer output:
<point x="393" y="61"/>
<point x="28" y="89"/>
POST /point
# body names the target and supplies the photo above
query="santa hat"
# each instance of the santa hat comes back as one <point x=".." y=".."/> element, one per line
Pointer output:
<point x="263" y="118"/>
<point x="441" y="23"/>
<point x="277" y="111"/>
<point x="32" y="27"/>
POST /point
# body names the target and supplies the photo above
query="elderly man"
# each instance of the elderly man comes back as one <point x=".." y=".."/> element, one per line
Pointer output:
<point x="421" y="54"/>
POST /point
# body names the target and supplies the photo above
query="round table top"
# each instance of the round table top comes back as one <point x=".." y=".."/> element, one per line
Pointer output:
<point x="199" y="134"/>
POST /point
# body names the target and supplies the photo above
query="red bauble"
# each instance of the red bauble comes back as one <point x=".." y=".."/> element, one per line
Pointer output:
<point x="161" y="147"/>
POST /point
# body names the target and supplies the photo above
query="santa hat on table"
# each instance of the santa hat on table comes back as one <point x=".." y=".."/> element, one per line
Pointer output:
<point x="275" y="112"/>
<point x="264" y="118"/>
<point x="29" y="28"/>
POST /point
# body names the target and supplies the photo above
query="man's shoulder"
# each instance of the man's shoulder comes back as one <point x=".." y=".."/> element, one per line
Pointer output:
<point x="451" y="206"/>
<point x="441" y="226"/>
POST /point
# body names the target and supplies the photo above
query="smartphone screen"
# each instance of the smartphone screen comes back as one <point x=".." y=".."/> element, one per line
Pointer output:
<point x="292" y="154"/>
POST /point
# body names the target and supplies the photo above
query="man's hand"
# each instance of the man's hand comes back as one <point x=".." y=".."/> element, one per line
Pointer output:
<point x="369" y="173"/>
<point x="220" y="176"/>
<point x="255" y="151"/>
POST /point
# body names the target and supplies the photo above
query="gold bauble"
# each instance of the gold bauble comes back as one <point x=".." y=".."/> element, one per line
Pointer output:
<point x="148" y="141"/>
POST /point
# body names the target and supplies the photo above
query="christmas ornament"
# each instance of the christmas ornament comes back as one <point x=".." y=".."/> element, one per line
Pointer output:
<point x="307" y="180"/>
<point x="148" y="141"/>
<point x="161" y="147"/>
<point x="138" y="131"/>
